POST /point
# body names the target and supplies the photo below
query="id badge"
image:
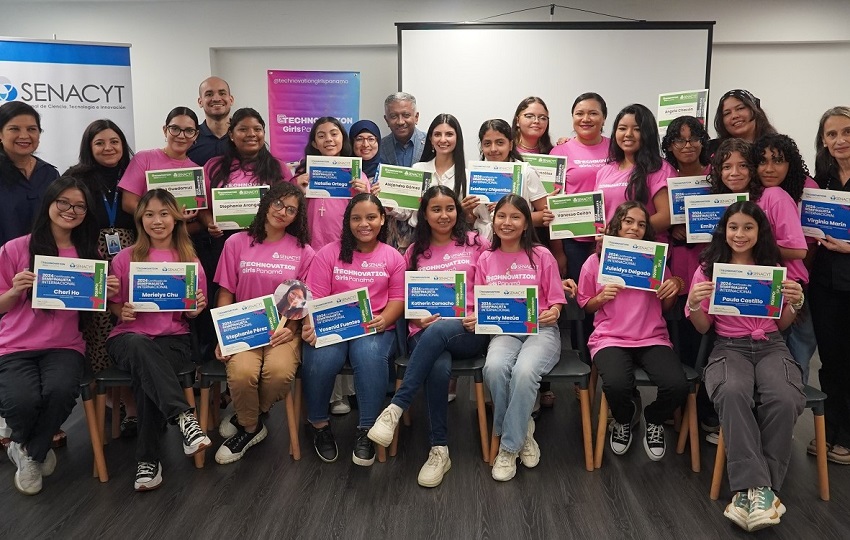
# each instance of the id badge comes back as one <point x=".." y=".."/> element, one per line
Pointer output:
<point x="113" y="243"/>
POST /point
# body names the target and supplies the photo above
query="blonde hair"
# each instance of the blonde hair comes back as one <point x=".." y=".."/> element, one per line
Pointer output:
<point x="180" y="241"/>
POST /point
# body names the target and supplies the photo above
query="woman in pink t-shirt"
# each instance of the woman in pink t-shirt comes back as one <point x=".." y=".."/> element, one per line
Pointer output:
<point x="41" y="351"/>
<point x="443" y="242"/>
<point x="359" y="259"/>
<point x="516" y="363"/>
<point x="630" y="331"/>
<point x="274" y="249"/>
<point x="756" y="386"/>
<point x="154" y="345"/>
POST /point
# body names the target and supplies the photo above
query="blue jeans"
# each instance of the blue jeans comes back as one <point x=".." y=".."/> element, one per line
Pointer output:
<point x="431" y="364"/>
<point x="800" y="338"/>
<point x="369" y="356"/>
<point x="514" y="367"/>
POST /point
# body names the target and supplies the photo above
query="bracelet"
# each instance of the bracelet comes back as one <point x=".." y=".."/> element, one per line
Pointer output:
<point x="680" y="282"/>
<point x="691" y="309"/>
<point x="556" y="309"/>
<point x="799" y="305"/>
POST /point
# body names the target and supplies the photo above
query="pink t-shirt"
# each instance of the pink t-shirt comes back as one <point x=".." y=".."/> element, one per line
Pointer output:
<point x="501" y="268"/>
<point x="452" y="258"/>
<point x="732" y="326"/>
<point x="150" y="324"/>
<point x="381" y="271"/>
<point x="253" y="271"/>
<point x="784" y="217"/>
<point x="632" y="319"/>
<point x="583" y="162"/>
<point x="239" y="177"/>
<point x="324" y="218"/>
<point x="684" y="260"/>
<point x="23" y="328"/>
<point x="133" y="180"/>
<point x="809" y="183"/>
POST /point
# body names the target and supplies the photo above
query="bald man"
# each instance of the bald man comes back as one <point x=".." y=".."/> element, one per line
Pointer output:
<point x="215" y="99"/>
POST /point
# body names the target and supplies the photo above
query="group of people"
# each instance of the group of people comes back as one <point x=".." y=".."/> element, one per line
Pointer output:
<point x="101" y="209"/>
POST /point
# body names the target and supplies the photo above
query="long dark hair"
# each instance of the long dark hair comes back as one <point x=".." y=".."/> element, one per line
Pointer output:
<point x="83" y="236"/>
<point x="500" y="126"/>
<point x="265" y="168"/>
<point x="421" y="244"/>
<point x="8" y="111"/>
<point x="826" y="166"/>
<point x="751" y="102"/>
<point x="615" y="224"/>
<point x="529" y="238"/>
<point x="88" y="163"/>
<point x="784" y="147"/>
<point x="544" y="144"/>
<point x="348" y="244"/>
<point x="648" y="156"/>
<point x="310" y="150"/>
<point x="429" y="153"/>
<point x="724" y="151"/>
<point x="674" y="130"/>
<point x="298" y="227"/>
<point x="765" y="251"/>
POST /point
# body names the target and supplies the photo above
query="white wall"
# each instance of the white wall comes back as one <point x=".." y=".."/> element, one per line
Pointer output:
<point x="757" y="42"/>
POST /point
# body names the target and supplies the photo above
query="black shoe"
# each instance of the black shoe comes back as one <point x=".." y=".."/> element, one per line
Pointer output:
<point x="710" y="424"/>
<point x="324" y="443"/>
<point x="235" y="447"/>
<point x="129" y="427"/>
<point x="364" y="449"/>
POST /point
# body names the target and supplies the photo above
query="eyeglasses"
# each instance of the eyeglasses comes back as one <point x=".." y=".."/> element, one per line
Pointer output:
<point x="539" y="117"/>
<point x="681" y="143"/>
<point x="77" y="209"/>
<point x="277" y="204"/>
<point x="175" y="131"/>
<point x="365" y="140"/>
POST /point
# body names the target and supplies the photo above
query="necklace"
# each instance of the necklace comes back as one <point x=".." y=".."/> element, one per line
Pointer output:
<point x="535" y="148"/>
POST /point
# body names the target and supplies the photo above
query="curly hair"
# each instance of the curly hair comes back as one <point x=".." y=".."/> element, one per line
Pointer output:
<point x="723" y="153"/>
<point x="544" y="144"/>
<point x="529" y="238"/>
<point x="348" y="244"/>
<point x="298" y="228"/>
<point x="421" y="244"/>
<point x="647" y="158"/>
<point x="765" y="251"/>
<point x="265" y="168"/>
<point x="784" y="148"/>
<point x="674" y="130"/>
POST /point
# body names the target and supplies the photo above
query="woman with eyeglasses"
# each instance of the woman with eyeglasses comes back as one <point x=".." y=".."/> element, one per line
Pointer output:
<point x="274" y="249"/>
<point x="365" y="143"/>
<point x="739" y="115"/>
<point x="531" y="127"/>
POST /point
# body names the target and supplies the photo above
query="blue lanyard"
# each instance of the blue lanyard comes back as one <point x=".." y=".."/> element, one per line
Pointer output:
<point x="111" y="210"/>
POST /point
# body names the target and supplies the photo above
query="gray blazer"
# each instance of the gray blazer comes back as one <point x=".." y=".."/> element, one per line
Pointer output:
<point x="387" y="149"/>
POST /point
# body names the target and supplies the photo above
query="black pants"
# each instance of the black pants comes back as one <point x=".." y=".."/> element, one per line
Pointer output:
<point x="153" y="364"/>
<point x="616" y="366"/>
<point x="38" y="391"/>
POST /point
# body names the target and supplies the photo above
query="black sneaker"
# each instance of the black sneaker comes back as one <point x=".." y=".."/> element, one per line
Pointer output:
<point x="148" y="476"/>
<point x="364" y="449"/>
<point x="235" y="447"/>
<point x="194" y="440"/>
<point x="710" y="424"/>
<point x="653" y="441"/>
<point x="621" y="438"/>
<point x="324" y="443"/>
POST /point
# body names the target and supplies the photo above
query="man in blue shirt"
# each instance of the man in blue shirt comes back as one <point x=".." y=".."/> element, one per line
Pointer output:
<point x="215" y="98"/>
<point x="404" y="145"/>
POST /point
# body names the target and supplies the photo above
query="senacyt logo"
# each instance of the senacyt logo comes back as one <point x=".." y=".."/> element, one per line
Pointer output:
<point x="8" y="92"/>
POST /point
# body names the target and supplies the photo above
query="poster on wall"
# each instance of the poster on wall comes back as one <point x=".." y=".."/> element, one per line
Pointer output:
<point x="298" y="98"/>
<point x="70" y="84"/>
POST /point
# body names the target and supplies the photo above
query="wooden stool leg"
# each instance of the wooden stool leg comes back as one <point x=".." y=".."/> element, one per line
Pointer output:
<point x="96" y="441"/>
<point x="482" y="421"/>
<point x="116" y="412"/>
<point x="382" y="454"/>
<point x="292" y="422"/>
<point x="594" y="380"/>
<point x="204" y="418"/>
<point x="601" y="428"/>
<point x="677" y="419"/>
<point x="190" y="399"/>
<point x="691" y="411"/>
<point x="820" y="443"/>
<point x="100" y="406"/>
<point x="684" y="431"/>
<point x="299" y="402"/>
<point x="494" y="448"/>
<point x="584" y="397"/>
<point x="719" y="466"/>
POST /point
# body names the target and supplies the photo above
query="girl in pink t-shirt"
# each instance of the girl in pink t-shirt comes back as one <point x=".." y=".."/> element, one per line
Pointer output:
<point x="328" y="137"/>
<point x="755" y="385"/>
<point x="516" y="363"/>
<point x="442" y="243"/>
<point x="360" y="259"/>
<point x="630" y="331"/>
<point x="41" y="351"/>
<point x="154" y="346"/>
<point x="273" y="250"/>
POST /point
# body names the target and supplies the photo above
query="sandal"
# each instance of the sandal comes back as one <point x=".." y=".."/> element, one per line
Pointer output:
<point x="59" y="440"/>
<point x="129" y="427"/>
<point x="547" y="399"/>
<point x="834" y="452"/>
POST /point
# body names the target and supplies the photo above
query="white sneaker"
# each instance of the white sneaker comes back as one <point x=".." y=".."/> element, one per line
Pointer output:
<point x="529" y="454"/>
<point x="438" y="464"/>
<point x="49" y="464"/>
<point x="28" y="475"/>
<point x="340" y="406"/>
<point x="194" y="440"/>
<point x="384" y="429"/>
<point x="712" y="438"/>
<point x="229" y="426"/>
<point x="505" y="466"/>
<point x="148" y="476"/>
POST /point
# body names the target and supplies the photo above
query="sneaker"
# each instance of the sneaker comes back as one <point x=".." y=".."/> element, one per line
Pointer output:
<point x="653" y="441"/>
<point x="324" y="443"/>
<point x="148" y="476"/>
<point x="235" y="447"/>
<point x="49" y="464"/>
<point x="739" y="509"/>
<point x="129" y="427"/>
<point x="194" y="440"/>
<point x="765" y="508"/>
<point x="340" y="406"/>
<point x="529" y="454"/>
<point x="28" y="475"/>
<point x="229" y="426"/>
<point x="384" y="429"/>
<point x="364" y="450"/>
<point x="438" y="464"/>
<point x="621" y="438"/>
<point x="713" y="438"/>
<point x="710" y="424"/>
<point x="504" y="467"/>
